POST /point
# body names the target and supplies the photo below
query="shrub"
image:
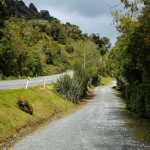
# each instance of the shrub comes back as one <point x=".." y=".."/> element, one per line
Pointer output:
<point x="137" y="96"/>
<point x="96" y="80"/>
<point x="69" y="88"/>
<point x="25" y="106"/>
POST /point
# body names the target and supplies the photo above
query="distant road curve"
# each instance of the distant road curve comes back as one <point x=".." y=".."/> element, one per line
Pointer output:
<point x="16" y="84"/>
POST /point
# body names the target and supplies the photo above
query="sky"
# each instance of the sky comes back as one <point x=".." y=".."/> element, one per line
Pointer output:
<point x="92" y="16"/>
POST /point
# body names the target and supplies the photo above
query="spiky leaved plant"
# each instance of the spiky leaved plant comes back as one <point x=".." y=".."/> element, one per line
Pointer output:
<point x="69" y="88"/>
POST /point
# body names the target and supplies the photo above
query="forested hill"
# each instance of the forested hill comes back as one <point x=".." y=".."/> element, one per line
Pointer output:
<point x="34" y="43"/>
<point x="17" y="8"/>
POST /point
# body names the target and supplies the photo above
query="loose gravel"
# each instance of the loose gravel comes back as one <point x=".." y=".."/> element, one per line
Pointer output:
<point x="97" y="126"/>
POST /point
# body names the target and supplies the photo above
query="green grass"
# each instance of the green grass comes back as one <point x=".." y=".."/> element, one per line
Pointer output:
<point x="105" y="80"/>
<point x="139" y="126"/>
<point x="45" y="103"/>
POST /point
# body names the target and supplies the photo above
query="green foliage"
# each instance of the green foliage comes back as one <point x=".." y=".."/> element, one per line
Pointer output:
<point x="26" y="50"/>
<point x="129" y="61"/>
<point x="53" y="53"/>
<point x="69" y="48"/>
<point x="103" y="46"/>
<point x="96" y="39"/>
<point x="38" y="44"/>
<point x="138" y="99"/>
<point x="14" y="51"/>
<point x="103" y="50"/>
<point x="105" y="80"/>
<point x="69" y="88"/>
<point x="73" y="31"/>
<point x="106" y="42"/>
<point x="25" y="106"/>
<point x="86" y="61"/>
<point x="58" y="32"/>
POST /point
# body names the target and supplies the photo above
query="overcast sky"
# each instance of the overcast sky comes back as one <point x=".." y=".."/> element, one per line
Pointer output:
<point x="92" y="16"/>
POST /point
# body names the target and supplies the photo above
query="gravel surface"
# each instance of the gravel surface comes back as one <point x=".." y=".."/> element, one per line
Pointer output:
<point x="97" y="126"/>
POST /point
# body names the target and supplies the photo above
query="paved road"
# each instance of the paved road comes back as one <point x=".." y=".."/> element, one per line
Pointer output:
<point x="15" y="84"/>
<point x="97" y="126"/>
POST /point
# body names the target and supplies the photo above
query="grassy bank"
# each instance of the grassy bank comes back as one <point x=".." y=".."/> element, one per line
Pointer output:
<point x="45" y="103"/>
<point x="105" y="80"/>
<point x="139" y="126"/>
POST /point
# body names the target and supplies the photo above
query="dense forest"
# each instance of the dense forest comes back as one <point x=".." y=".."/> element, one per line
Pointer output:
<point x="34" y="43"/>
<point x="129" y="60"/>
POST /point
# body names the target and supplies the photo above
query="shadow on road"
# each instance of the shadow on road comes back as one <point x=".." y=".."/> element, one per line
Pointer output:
<point x="89" y="97"/>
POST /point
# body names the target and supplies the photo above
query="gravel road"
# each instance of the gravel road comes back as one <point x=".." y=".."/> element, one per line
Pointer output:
<point x="97" y="126"/>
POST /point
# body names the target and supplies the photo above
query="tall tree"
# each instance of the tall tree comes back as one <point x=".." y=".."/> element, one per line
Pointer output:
<point x="86" y="60"/>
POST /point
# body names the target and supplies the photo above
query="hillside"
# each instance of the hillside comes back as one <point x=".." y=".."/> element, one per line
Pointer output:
<point x="34" y="43"/>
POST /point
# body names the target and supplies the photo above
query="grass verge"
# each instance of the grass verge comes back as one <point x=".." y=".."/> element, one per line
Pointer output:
<point x="139" y="126"/>
<point x="105" y="80"/>
<point x="45" y="102"/>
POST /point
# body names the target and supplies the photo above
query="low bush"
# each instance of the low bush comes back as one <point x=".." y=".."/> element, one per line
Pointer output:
<point x="96" y="80"/>
<point x="25" y="106"/>
<point x="138" y="101"/>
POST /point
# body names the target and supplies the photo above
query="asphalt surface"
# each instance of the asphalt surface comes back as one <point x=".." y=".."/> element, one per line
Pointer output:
<point x="15" y="84"/>
<point x="97" y="126"/>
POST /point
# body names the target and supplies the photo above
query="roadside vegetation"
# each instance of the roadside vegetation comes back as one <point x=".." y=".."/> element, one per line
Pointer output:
<point x="45" y="103"/>
<point x="129" y="60"/>
<point x="69" y="88"/>
<point x="140" y="127"/>
<point x="106" y="80"/>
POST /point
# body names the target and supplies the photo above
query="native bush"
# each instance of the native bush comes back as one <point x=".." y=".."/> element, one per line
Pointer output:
<point x="69" y="88"/>
<point x="129" y="61"/>
<point x="138" y="99"/>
